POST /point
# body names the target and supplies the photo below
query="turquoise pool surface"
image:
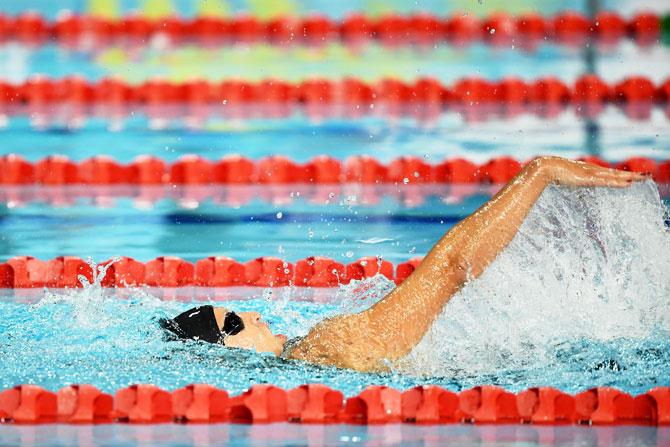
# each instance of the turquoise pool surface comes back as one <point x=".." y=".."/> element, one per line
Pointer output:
<point x="301" y="139"/>
<point x="296" y="231"/>
<point x="113" y="342"/>
<point x="577" y="300"/>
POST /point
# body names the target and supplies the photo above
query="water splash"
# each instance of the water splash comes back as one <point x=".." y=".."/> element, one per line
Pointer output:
<point x="360" y="295"/>
<point x="578" y="299"/>
<point x="587" y="264"/>
<point x="98" y="273"/>
<point x="91" y="307"/>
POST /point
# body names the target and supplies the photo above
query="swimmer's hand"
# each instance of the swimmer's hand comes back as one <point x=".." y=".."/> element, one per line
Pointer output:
<point x="561" y="171"/>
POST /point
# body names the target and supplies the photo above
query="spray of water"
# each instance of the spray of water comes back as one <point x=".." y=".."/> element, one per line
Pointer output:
<point x="578" y="299"/>
<point x="587" y="264"/>
<point x="89" y="306"/>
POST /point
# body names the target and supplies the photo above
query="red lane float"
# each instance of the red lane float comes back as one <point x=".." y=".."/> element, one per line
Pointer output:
<point x="423" y="29"/>
<point x="26" y="271"/>
<point x="488" y="405"/>
<point x="125" y="272"/>
<point x="546" y="406"/>
<point x="316" y="403"/>
<point x="219" y="271"/>
<point x="367" y="268"/>
<point x="200" y="403"/>
<point x="71" y="100"/>
<point x="216" y="271"/>
<point x="28" y="404"/>
<point x="64" y="272"/>
<point x="259" y="404"/>
<point x="374" y="405"/>
<point x="144" y="404"/>
<point x="500" y="170"/>
<point x="169" y="271"/>
<point x="269" y="270"/>
<point x="429" y="404"/>
<point x="661" y="400"/>
<point x="277" y="170"/>
<point x="606" y="406"/>
<point x="84" y="404"/>
<point x="317" y="271"/>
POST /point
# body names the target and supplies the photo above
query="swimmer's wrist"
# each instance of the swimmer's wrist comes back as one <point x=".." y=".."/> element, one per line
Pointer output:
<point x="543" y="169"/>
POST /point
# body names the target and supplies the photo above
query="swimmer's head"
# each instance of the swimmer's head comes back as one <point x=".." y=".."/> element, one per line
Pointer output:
<point x="233" y="329"/>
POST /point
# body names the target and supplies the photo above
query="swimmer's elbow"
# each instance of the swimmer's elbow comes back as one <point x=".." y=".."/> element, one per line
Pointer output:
<point x="453" y="267"/>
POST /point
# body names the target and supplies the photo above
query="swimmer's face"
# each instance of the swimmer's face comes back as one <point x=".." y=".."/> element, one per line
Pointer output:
<point x="256" y="334"/>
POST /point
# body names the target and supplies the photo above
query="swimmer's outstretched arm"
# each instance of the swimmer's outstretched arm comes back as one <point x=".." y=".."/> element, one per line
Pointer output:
<point x="392" y="327"/>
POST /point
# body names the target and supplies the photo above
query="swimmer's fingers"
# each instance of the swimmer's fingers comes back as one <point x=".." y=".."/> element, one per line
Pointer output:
<point x="576" y="173"/>
<point x="598" y="176"/>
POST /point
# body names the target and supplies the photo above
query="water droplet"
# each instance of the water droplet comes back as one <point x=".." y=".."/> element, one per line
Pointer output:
<point x="280" y="215"/>
<point x="492" y="31"/>
<point x="349" y="254"/>
<point x="405" y="180"/>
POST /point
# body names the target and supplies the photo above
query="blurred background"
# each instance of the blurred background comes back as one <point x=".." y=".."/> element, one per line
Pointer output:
<point x="428" y="80"/>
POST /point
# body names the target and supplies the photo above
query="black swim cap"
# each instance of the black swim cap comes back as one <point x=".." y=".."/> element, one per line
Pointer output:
<point x="198" y="323"/>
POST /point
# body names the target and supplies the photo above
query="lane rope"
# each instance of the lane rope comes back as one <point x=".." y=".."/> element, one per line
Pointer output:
<point x="72" y="99"/>
<point x="278" y="170"/>
<point x="23" y="272"/>
<point x="315" y="403"/>
<point x="526" y="31"/>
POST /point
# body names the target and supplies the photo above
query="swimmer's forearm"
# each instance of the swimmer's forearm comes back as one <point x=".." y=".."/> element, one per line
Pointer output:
<point x="472" y="244"/>
<point x="403" y="317"/>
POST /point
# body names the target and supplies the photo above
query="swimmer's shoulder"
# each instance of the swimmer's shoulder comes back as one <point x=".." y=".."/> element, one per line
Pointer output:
<point x="341" y="341"/>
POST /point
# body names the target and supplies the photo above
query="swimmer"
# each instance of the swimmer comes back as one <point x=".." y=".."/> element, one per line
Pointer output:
<point x="373" y="339"/>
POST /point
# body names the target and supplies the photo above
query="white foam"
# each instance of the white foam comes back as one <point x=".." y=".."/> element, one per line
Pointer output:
<point x="586" y="264"/>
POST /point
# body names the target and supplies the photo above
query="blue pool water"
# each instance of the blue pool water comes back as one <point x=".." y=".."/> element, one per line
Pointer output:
<point x="301" y="139"/>
<point x="579" y="299"/>
<point x="300" y="224"/>
<point x="598" y="257"/>
<point x="292" y="232"/>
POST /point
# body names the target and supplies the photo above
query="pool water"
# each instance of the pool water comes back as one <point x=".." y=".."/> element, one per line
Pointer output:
<point x="578" y="299"/>
<point x="343" y="229"/>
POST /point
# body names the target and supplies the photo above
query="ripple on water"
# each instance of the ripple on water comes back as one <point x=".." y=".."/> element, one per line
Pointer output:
<point x="578" y="299"/>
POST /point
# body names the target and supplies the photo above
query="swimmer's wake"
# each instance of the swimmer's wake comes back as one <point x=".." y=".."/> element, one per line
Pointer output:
<point x="587" y="264"/>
